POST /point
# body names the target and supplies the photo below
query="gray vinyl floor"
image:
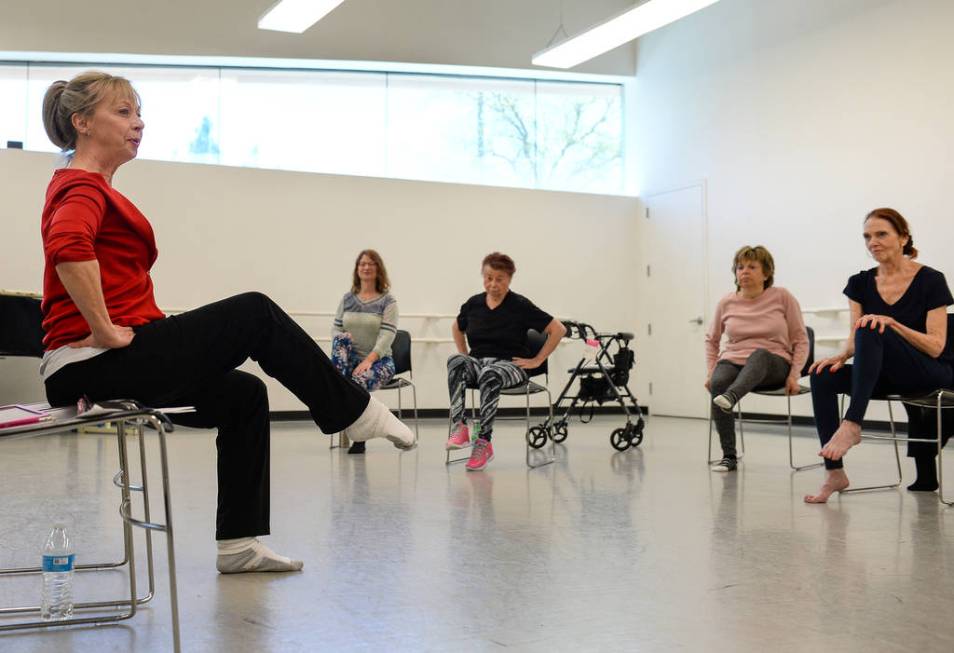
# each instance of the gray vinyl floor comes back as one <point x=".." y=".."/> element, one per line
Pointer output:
<point x="644" y="550"/>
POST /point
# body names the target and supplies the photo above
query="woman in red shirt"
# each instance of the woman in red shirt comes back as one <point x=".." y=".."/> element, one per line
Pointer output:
<point x="106" y="338"/>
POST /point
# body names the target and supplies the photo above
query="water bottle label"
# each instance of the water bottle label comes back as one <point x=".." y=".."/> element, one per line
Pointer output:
<point x="59" y="563"/>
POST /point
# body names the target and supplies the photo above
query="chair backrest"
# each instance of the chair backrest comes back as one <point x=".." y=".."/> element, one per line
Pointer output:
<point x="401" y="352"/>
<point x="21" y="330"/>
<point x="535" y="342"/>
<point x="811" y="350"/>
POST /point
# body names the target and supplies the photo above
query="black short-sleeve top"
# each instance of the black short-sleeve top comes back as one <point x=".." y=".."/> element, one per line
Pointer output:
<point x="928" y="290"/>
<point x="500" y="332"/>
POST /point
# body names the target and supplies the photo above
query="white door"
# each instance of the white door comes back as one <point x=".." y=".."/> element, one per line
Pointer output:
<point x="674" y="321"/>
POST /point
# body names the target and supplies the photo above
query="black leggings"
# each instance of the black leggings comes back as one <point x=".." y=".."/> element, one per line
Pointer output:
<point x="883" y="364"/>
<point x="190" y="359"/>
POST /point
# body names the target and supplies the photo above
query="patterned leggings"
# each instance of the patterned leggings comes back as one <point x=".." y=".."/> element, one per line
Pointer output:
<point x="490" y="376"/>
<point x="345" y="359"/>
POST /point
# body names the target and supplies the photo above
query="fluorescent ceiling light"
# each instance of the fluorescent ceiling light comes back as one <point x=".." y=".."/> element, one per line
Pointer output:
<point x="629" y="25"/>
<point x="296" y="15"/>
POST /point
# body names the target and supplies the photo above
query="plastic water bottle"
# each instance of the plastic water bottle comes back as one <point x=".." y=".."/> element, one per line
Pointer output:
<point x="58" y="560"/>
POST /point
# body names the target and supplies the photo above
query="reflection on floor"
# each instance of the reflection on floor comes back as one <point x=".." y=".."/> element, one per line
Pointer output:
<point x="644" y="550"/>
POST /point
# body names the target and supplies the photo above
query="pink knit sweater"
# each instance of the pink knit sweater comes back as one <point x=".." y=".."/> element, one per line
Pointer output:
<point x="771" y="321"/>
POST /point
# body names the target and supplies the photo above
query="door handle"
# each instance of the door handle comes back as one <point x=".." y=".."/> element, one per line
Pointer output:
<point x="697" y="320"/>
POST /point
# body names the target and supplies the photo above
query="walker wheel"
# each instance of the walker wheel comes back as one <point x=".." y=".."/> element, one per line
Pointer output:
<point x="558" y="433"/>
<point x="636" y="432"/>
<point x="536" y="436"/>
<point x="619" y="438"/>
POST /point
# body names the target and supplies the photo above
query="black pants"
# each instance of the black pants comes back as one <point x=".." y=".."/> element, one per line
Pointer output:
<point x="883" y="364"/>
<point x="762" y="369"/>
<point x="190" y="359"/>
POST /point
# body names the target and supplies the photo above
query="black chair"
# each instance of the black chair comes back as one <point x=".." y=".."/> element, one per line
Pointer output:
<point x="401" y="353"/>
<point x="21" y="330"/>
<point x="940" y="399"/>
<point x="768" y="391"/>
<point x="536" y="436"/>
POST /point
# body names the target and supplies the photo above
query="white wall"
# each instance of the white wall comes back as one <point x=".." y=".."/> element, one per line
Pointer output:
<point x="294" y="236"/>
<point x="802" y="116"/>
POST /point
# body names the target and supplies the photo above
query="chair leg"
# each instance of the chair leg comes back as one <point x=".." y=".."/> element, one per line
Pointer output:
<point x="709" y="459"/>
<point x="791" y="458"/>
<point x="473" y="412"/>
<point x="940" y="453"/>
<point x="552" y="457"/>
<point x="741" y="431"/>
<point x="417" y="422"/>
<point x="170" y="548"/>
<point x="897" y="459"/>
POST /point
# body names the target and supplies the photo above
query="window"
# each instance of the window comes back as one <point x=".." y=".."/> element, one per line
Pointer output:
<point x="530" y="133"/>
<point x="13" y="90"/>
<point x="312" y="121"/>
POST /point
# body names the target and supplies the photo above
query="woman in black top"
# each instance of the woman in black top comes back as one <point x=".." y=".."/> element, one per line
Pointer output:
<point x="899" y="324"/>
<point x="495" y="323"/>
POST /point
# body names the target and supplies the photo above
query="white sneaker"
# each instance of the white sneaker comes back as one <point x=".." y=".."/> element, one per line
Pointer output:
<point x="377" y="421"/>
<point x="724" y="465"/>
<point x="724" y="402"/>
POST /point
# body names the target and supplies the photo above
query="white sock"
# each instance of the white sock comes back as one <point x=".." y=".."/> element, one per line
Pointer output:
<point x="235" y="546"/>
<point x="258" y="557"/>
<point x="377" y="421"/>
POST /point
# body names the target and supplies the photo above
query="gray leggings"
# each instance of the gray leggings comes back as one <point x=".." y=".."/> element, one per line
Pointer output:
<point x="762" y="369"/>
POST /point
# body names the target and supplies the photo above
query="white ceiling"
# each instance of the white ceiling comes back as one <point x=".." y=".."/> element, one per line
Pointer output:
<point x="499" y="33"/>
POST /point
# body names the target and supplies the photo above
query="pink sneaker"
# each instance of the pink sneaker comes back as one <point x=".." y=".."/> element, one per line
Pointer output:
<point x="459" y="437"/>
<point x="482" y="454"/>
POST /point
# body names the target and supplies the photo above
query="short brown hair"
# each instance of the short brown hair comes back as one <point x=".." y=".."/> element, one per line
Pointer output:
<point x="500" y="262"/>
<point x="755" y="253"/>
<point x="79" y="95"/>
<point x="381" y="283"/>
<point x="900" y="226"/>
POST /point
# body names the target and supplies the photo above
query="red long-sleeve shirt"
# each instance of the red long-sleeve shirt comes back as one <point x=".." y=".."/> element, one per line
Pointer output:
<point x="85" y="219"/>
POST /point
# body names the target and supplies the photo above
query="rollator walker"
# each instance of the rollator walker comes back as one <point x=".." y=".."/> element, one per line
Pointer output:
<point x="603" y="374"/>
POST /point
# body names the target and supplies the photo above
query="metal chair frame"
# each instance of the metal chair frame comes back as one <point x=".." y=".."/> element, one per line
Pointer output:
<point x="526" y="389"/>
<point x="933" y="400"/>
<point x="773" y="392"/>
<point x="137" y="419"/>
<point x="536" y="341"/>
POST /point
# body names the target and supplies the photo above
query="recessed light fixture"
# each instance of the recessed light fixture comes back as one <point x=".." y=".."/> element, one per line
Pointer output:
<point x="629" y="25"/>
<point x="296" y="15"/>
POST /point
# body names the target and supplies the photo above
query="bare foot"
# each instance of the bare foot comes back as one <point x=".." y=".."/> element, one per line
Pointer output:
<point x="847" y="436"/>
<point x="836" y="482"/>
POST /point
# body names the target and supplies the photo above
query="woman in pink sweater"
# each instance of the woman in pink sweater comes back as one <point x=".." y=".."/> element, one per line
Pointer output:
<point x="766" y="344"/>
